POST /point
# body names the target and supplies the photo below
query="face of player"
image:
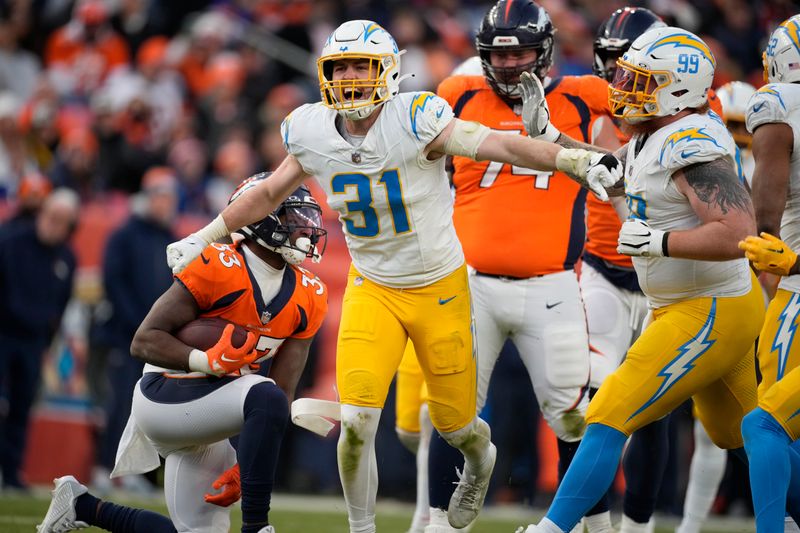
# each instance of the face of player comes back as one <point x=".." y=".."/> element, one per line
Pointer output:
<point x="512" y="60"/>
<point x="361" y="72"/>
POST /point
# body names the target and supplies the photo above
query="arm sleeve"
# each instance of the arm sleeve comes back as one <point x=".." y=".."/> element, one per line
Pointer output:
<point x="201" y="277"/>
<point x="428" y="115"/>
<point x="315" y="312"/>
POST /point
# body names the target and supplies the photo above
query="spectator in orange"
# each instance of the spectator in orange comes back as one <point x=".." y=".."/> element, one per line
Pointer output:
<point x="86" y="49"/>
<point x="222" y="111"/>
<point x="33" y="189"/>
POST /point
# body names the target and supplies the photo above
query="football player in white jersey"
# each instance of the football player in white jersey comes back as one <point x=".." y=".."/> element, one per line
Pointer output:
<point x="377" y="153"/>
<point x="773" y="116"/>
<point x="688" y="210"/>
<point x="709" y="461"/>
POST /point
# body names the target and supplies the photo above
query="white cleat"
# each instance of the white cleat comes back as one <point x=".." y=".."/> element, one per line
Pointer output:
<point x="60" y="516"/>
<point x="467" y="499"/>
<point x="267" y="529"/>
<point x="530" y="529"/>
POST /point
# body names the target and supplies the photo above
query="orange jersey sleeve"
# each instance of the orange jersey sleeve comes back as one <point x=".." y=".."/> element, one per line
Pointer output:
<point x="714" y="102"/>
<point x="502" y="210"/>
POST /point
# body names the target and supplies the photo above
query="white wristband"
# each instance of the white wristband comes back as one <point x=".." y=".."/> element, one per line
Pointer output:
<point x="551" y="134"/>
<point x="198" y="362"/>
<point x="215" y="230"/>
<point x="573" y="161"/>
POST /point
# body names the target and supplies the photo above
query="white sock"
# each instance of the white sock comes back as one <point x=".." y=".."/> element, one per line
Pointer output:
<point x="421" y="512"/>
<point x="473" y="441"/>
<point x="548" y="526"/>
<point x="358" y="468"/>
<point x="629" y="525"/>
<point x="789" y="525"/>
<point x="705" y="474"/>
<point x="598" y="523"/>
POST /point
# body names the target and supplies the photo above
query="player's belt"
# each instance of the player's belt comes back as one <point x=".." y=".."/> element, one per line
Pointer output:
<point x="504" y="277"/>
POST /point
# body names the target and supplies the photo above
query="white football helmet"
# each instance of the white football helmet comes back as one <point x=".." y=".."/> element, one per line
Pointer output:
<point x="734" y="97"/>
<point x="782" y="56"/>
<point x="356" y="99"/>
<point x="664" y="71"/>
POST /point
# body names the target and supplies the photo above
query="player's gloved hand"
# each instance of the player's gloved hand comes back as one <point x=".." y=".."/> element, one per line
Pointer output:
<point x="233" y="488"/>
<point x="184" y="251"/>
<point x="769" y="254"/>
<point x="223" y="358"/>
<point x="636" y="237"/>
<point x="598" y="170"/>
<point x="535" y="113"/>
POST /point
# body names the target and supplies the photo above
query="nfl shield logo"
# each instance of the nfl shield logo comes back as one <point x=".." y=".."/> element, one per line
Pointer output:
<point x="356" y="157"/>
<point x="266" y="316"/>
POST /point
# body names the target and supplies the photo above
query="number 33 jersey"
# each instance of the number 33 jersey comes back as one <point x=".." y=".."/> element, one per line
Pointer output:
<point x="224" y="286"/>
<point x="394" y="204"/>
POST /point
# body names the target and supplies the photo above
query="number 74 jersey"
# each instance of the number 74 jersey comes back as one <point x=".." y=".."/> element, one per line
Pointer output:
<point x="394" y="204"/>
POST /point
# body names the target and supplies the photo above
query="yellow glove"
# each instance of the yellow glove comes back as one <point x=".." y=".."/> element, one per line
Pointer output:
<point x="769" y="254"/>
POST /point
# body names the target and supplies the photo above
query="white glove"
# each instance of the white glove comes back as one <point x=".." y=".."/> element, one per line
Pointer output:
<point x="637" y="238"/>
<point x="599" y="170"/>
<point x="183" y="252"/>
<point x="535" y="113"/>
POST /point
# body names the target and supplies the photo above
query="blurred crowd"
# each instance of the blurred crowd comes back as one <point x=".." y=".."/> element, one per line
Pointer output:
<point x="160" y="108"/>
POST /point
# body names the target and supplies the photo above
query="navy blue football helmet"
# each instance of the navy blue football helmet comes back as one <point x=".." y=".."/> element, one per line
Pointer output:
<point x="616" y="34"/>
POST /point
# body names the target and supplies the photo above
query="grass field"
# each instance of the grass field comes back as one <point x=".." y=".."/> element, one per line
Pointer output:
<point x="313" y="514"/>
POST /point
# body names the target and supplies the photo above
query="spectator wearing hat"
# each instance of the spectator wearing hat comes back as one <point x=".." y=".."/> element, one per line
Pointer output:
<point x="134" y="276"/>
<point x="37" y="268"/>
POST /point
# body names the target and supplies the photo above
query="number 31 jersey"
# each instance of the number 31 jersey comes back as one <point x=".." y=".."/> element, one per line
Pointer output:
<point x="394" y="204"/>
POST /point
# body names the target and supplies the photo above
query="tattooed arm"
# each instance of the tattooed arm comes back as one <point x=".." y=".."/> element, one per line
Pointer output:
<point x="723" y="206"/>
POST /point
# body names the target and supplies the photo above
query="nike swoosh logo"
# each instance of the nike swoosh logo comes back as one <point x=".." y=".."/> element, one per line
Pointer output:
<point x="443" y="301"/>
<point x="205" y="261"/>
<point x="550" y="306"/>
<point x="686" y="154"/>
<point x="779" y="251"/>
<point x="228" y="360"/>
<point x="757" y="107"/>
<point x="439" y="113"/>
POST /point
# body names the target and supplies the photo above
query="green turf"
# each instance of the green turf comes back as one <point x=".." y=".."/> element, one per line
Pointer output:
<point x="22" y="514"/>
<point x="298" y="514"/>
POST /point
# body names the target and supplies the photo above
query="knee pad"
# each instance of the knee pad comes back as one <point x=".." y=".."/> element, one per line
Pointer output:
<point x="408" y="439"/>
<point x="567" y="349"/>
<point x="361" y="387"/>
<point x="269" y="398"/>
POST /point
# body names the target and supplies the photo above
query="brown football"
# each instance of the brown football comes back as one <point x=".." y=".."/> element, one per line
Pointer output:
<point x="203" y="333"/>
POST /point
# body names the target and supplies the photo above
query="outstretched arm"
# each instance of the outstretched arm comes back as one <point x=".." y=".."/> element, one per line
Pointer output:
<point x="590" y="169"/>
<point x="251" y="207"/>
<point x="772" y="150"/>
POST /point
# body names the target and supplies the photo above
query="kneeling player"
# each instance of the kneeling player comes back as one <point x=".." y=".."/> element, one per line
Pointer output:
<point x="189" y="402"/>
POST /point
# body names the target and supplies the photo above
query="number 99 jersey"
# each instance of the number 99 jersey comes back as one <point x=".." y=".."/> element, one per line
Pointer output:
<point x="394" y="204"/>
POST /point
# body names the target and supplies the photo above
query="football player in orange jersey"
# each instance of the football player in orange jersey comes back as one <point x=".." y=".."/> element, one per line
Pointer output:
<point x="523" y="282"/>
<point x="189" y="402"/>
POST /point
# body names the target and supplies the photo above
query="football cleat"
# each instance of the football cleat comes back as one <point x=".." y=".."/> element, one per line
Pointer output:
<point x="60" y="515"/>
<point x="267" y="529"/>
<point x="467" y="499"/>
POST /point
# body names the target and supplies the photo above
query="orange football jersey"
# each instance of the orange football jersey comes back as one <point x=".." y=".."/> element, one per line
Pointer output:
<point x="223" y="287"/>
<point x="514" y="221"/>
<point x="603" y="223"/>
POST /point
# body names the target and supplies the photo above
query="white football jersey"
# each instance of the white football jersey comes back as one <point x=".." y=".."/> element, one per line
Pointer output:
<point x="780" y="102"/>
<point x="394" y="204"/>
<point x="652" y="196"/>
